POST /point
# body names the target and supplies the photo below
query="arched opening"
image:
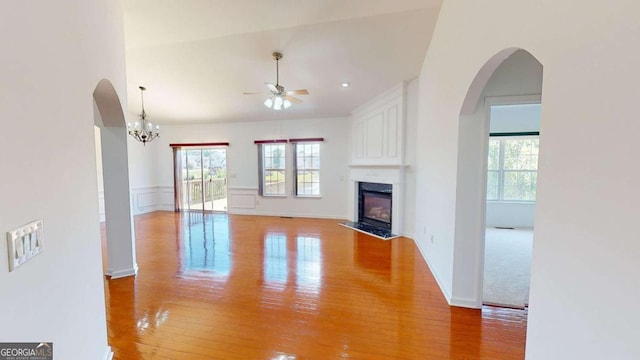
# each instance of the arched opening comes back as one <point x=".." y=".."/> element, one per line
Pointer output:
<point x="120" y="239"/>
<point x="511" y="77"/>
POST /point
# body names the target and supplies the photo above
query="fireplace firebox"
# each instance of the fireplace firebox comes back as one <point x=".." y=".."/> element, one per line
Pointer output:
<point x="375" y="204"/>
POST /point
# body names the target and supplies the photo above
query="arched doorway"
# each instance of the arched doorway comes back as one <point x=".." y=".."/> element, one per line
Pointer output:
<point x="109" y="118"/>
<point x="512" y="73"/>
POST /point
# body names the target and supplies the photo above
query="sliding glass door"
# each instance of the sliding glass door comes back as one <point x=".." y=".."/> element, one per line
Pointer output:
<point x="201" y="179"/>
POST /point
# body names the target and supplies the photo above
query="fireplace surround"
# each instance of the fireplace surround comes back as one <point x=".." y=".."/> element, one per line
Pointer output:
<point x="385" y="180"/>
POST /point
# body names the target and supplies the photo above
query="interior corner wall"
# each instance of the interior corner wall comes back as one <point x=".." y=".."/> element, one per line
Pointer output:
<point x="410" y="143"/>
<point x="49" y="168"/>
<point x="98" y="150"/>
<point x="242" y="164"/>
<point x="589" y="87"/>
<point x="147" y="194"/>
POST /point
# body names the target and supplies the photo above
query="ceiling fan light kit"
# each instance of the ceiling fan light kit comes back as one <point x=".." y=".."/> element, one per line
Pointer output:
<point x="279" y="98"/>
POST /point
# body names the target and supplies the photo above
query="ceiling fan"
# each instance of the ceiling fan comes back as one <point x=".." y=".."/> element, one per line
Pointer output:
<point x="279" y="98"/>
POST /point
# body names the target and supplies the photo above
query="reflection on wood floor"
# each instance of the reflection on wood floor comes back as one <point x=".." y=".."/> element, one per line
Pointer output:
<point x="218" y="286"/>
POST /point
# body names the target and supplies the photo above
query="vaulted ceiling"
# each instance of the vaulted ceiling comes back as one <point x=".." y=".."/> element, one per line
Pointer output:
<point x="197" y="57"/>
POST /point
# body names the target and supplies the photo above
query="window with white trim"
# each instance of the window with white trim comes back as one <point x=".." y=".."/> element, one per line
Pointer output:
<point x="306" y="168"/>
<point x="273" y="169"/>
<point x="512" y="168"/>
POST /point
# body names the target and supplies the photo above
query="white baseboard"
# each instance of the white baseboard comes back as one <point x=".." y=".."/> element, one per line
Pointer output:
<point x="465" y="303"/>
<point x="117" y="274"/>
<point x="452" y="301"/>
<point x="294" y="215"/>
<point x="108" y="354"/>
<point x="444" y="292"/>
<point x="164" y="208"/>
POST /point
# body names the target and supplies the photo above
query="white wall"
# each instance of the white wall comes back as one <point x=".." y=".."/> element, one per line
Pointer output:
<point x="517" y="117"/>
<point x="49" y="168"/>
<point x="147" y="194"/>
<point x="242" y="163"/>
<point x="590" y="87"/>
<point x="98" y="150"/>
<point x="410" y="143"/>
<point x="510" y="214"/>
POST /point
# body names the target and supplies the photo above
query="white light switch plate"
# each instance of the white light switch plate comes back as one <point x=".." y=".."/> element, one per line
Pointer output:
<point x="24" y="243"/>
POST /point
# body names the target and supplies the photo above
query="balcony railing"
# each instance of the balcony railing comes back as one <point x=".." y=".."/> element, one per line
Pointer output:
<point x="214" y="189"/>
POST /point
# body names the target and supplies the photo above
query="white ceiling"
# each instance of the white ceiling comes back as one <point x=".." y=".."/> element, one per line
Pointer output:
<point x="197" y="57"/>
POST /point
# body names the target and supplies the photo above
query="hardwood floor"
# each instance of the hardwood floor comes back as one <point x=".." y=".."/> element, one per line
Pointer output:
<point x="217" y="286"/>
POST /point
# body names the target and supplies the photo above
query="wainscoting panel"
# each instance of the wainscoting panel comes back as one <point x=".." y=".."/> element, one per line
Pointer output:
<point x="152" y="198"/>
<point x="358" y="141"/>
<point x="392" y="136"/>
<point x="377" y="130"/>
<point x="146" y="199"/>
<point x="242" y="198"/>
<point x="374" y="135"/>
<point x="165" y="198"/>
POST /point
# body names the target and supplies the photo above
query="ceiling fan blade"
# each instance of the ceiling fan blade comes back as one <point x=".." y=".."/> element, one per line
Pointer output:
<point x="253" y="93"/>
<point x="293" y="100"/>
<point x="298" y="92"/>
<point x="272" y="87"/>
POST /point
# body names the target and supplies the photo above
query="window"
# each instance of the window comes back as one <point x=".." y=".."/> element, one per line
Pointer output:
<point x="307" y="168"/>
<point x="512" y="168"/>
<point x="273" y="164"/>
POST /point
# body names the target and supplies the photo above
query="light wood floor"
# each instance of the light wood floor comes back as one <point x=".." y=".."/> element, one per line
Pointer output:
<point x="248" y="287"/>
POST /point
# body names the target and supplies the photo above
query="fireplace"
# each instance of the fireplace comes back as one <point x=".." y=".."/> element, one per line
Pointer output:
<point x="375" y="210"/>
<point x="375" y="205"/>
<point x="376" y="200"/>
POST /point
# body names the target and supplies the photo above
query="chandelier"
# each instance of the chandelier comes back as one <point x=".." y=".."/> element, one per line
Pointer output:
<point x="143" y="131"/>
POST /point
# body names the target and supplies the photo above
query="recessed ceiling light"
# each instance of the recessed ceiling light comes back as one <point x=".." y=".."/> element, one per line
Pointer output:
<point x="345" y="84"/>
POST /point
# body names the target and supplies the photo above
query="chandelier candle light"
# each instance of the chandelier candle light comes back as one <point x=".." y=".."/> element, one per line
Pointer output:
<point x="143" y="131"/>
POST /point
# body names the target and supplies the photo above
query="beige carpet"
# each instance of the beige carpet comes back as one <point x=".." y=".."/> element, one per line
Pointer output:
<point x="507" y="267"/>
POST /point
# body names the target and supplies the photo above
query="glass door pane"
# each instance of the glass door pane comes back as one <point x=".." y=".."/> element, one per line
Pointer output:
<point x="185" y="194"/>
<point x="195" y="184"/>
<point x="203" y="179"/>
<point x="208" y="178"/>
<point x="216" y="167"/>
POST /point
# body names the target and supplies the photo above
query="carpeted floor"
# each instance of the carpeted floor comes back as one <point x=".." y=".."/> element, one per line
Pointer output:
<point x="507" y="267"/>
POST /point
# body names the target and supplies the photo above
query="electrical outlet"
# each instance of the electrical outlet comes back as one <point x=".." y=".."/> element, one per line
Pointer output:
<point x="24" y="243"/>
<point x="431" y="239"/>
